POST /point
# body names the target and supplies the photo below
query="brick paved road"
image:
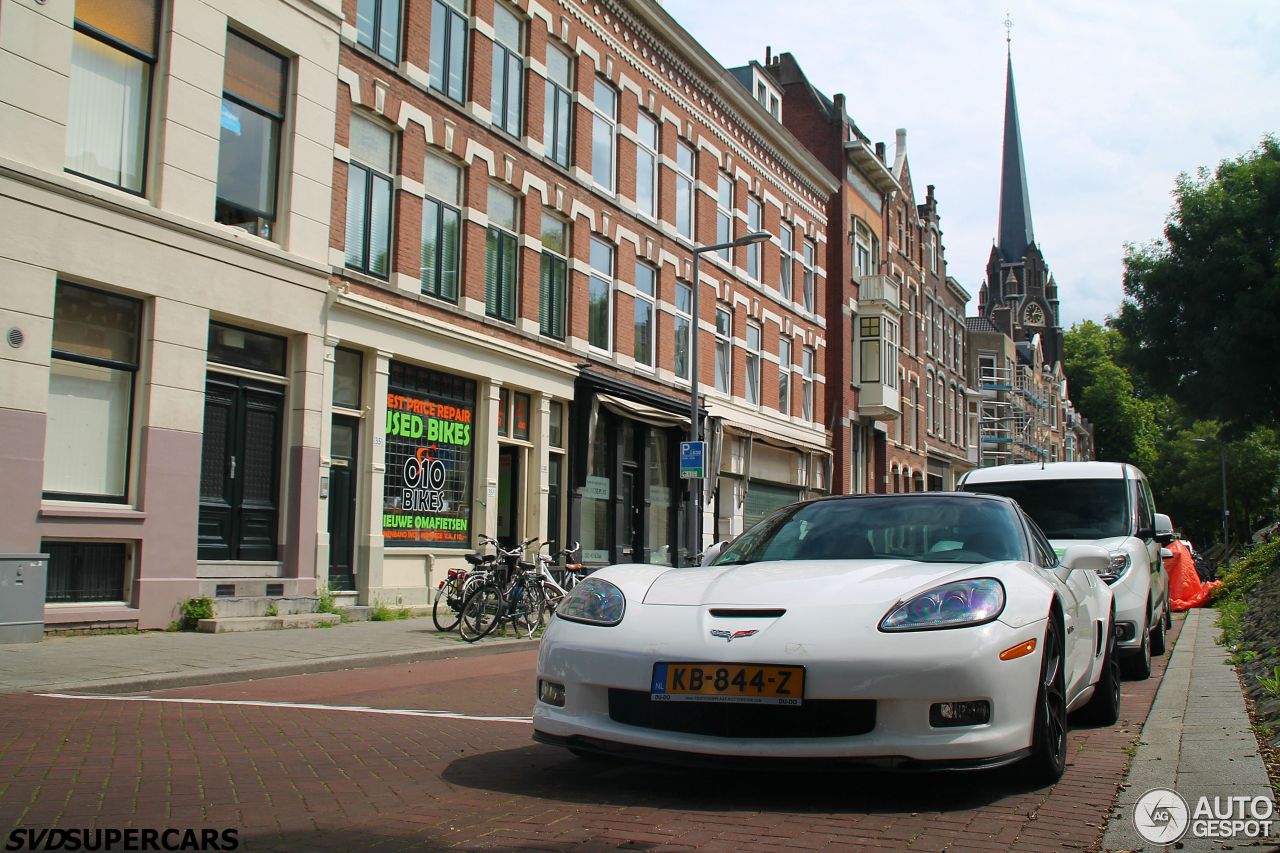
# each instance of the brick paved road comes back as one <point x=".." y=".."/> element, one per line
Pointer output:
<point x="294" y="779"/>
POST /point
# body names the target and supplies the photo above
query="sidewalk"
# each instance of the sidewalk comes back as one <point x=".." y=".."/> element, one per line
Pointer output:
<point x="1197" y="741"/>
<point x="125" y="663"/>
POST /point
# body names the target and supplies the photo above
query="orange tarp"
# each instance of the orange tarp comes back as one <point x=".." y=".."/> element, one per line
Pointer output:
<point x="1185" y="589"/>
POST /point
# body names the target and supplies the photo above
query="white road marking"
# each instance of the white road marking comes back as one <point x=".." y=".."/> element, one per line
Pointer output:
<point x="353" y="709"/>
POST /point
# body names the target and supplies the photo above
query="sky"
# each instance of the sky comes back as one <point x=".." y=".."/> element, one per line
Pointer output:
<point x="1116" y="98"/>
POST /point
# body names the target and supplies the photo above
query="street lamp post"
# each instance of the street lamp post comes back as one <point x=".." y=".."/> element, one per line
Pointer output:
<point x="1226" y="513"/>
<point x="695" y="485"/>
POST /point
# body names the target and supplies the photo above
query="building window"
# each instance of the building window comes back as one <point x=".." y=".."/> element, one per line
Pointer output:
<point x="348" y="367"/>
<point x="600" y="296"/>
<point x="557" y="121"/>
<point x="786" y="261"/>
<point x="724" y="350"/>
<point x="253" y="99"/>
<point x="553" y="277"/>
<point x="928" y="406"/>
<point x="939" y="417"/>
<point x="645" y="313"/>
<point x="810" y="295"/>
<point x="84" y="572"/>
<point x="753" y="364"/>
<point x="890" y="353"/>
<point x="755" y="222"/>
<point x="784" y="375"/>
<point x="913" y="416"/>
<point x="91" y="380"/>
<point x="933" y="252"/>
<point x="447" y="66"/>
<point x="866" y="249"/>
<point x="507" y="102"/>
<point x="646" y="165"/>
<point x="555" y="472"/>
<point x="937" y="332"/>
<point x="604" y="135"/>
<point x="378" y="27"/>
<point x="807" y="357"/>
<point x="912" y="341"/>
<point x="869" y="349"/>
<point x="368" y="238"/>
<point x="513" y="414"/>
<point x="113" y="54"/>
<point x="686" y="174"/>
<point x="441" y="228"/>
<point x="683" y="322"/>
<point x="500" y="257"/>
<point x="928" y="326"/>
<point x="724" y="216"/>
<point x="426" y="498"/>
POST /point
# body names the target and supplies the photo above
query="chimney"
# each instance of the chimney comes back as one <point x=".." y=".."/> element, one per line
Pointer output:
<point x="880" y="151"/>
<point x="768" y="55"/>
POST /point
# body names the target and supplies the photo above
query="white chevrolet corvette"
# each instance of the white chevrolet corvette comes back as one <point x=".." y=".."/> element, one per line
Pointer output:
<point x="917" y="631"/>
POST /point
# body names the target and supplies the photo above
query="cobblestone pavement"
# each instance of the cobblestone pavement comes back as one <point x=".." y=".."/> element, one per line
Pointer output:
<point x="320" y="779"/>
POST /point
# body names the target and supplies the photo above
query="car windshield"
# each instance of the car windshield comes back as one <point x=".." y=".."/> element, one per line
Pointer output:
<point x="1068" y="509"/>
<point x="926" y="528"/>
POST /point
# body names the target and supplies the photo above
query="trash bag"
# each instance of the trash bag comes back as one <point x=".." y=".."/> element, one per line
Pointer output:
<point x="1185" y="587"/>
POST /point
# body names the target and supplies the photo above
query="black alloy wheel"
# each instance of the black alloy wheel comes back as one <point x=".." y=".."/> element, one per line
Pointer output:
<point x="1103" y="708"/>
<point x="1048" y="757"/>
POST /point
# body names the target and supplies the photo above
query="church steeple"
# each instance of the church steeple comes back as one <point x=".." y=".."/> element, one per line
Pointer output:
<point x="1015" y="233"/>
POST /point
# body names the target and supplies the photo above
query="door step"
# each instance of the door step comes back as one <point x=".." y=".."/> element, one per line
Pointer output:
<point x="228" y="624"/>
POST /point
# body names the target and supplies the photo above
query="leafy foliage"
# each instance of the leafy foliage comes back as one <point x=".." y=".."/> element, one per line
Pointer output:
<point x="1200" y="306"/>
<point x="1232" y="597"/>
<point x="193" y="610"/>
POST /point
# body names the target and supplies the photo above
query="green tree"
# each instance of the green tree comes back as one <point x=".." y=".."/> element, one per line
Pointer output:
<point x="1126" y="424"/>
<point x="1200" y="308"/>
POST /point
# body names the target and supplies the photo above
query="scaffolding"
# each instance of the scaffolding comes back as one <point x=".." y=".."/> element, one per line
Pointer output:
<point x="1010" y="408"/>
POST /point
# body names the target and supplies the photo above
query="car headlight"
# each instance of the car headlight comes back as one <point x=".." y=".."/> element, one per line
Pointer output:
<point x="952" y="605"/>
<point x="1120" y="563"/>
<point x="593" y="601"/>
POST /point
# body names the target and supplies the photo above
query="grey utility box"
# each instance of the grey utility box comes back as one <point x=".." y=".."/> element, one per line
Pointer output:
<point x="22" y="590"/>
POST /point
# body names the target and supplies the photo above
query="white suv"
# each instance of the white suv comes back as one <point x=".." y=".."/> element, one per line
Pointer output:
<point x="1108" y="504"/>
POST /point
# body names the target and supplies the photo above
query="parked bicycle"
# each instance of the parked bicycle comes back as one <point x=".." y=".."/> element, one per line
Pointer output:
<point x="519" y="601"/>
<point x="454" y="589"/>
<point x="558" y="579"/>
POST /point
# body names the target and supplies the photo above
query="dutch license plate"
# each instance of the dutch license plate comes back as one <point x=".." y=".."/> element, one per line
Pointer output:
<point x="759" y="684"/>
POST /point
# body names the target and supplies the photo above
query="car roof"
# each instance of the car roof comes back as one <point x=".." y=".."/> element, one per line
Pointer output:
<point x="959" y="496"/>
<point x="1054" y="471"/>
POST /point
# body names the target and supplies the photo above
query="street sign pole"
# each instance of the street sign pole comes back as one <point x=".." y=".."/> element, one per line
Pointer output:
<point x="695" y="485"/>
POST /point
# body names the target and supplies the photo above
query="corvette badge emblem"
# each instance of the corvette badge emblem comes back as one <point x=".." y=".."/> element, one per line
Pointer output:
<point x="730" y="636"/>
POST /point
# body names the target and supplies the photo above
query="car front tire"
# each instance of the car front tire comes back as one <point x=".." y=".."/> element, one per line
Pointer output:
<point x="1048" y="757"/>
<point x="1103" y="708"/>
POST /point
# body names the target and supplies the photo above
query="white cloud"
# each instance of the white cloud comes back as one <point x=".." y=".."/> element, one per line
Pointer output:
<point x="1114" y="99"/>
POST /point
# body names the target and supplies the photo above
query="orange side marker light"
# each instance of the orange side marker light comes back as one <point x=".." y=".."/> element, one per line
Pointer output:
<point x="1018" y="651"/>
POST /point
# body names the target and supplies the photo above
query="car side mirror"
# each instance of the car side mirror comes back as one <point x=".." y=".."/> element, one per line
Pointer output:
<point x="1092" y="558"/>
<point x="1164" y="529"/>
<point x="1166" y="554"/>
<point x="709" y="555"/>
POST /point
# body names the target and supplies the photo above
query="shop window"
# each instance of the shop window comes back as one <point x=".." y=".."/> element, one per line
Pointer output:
<point x="429" y="440"/>
<point x="378" y="27"/>
<point x="447" y="66"/>
<point x="600" y="296"/>
<point x="786" y="260"/>
<point x="645" y="313"/>
<point x="597" y="495"/>
<point x="252" y="121"/>
<point x="683" y="321"/>
<point x="85" y="572"/>
<point x="553" y="276"/>
<point x="368" y="231"/>
<point x="604" y="135"/>
<point x="661" y="499"/>
<point x="724" y="351"/>
<point x="724" y="215"/>
<point x="507" y="102"/>
<point x="441" y="229"/>
<point x="113" y="55"/>
<point x="646" y="165"/>
<point x="94" y="360"/>
<point x="557" y="120"/>
<point x="686" y="178"/>
<point x="500" y="257"/>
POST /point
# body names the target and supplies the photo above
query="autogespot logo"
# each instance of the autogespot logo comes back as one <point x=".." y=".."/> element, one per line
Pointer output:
<point x="1161" y="816"/>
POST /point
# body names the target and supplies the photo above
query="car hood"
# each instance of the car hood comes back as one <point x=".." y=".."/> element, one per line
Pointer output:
<point x="796" y="583"/>
<point x="1111" y="543"/>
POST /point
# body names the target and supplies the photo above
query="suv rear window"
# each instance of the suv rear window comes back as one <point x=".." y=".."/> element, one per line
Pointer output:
<point x="1068" y="509"/>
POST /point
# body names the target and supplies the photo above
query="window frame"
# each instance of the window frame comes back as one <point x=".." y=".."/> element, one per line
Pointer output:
<point x="371" y="174"/>
<point x="809" y="293"/>
<point x="508" y="55"/>
<point x="686" y="190"/>
<point x="723" y="363"/>
<point x="376" y="34"/>
<point x="682" y="316"/>
<point x="150" y="60"/>
<point x="446" y="32"/>
<point x="649" y="150"/>
<point x="609" y="120"/>
<point x="870" y="329"/>
<point x="724" y="215"/>
<point x="651" y="301"/>
<point x="755" y="222"/>
<point x="784" y="374"/>
<point x="558" y="95"/>
<point x="752" y="390"/>
<point x="550" y="257"/>
<point x="131" y="369"/>
<point x="505" y="238"/>
<point x="786" y="250"/>
<point x="455" y="209"/>
<point x="606" y="278"/>
<point x="808" y="356"/>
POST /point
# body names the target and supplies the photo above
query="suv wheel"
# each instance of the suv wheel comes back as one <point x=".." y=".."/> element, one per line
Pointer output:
<point x="1137" y="664"/>
<point x="1158" y="637"/>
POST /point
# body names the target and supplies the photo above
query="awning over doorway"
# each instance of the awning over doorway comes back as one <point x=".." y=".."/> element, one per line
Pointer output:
<point x="641" y="412"/>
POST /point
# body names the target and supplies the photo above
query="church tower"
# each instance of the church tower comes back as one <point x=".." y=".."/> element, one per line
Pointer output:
<point x="1019" y="296"/>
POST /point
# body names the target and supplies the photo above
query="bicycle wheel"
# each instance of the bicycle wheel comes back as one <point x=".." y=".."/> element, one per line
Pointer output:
<point x="530" y="612"/>
<point x="448" y="605"/>
<point x="481" y="612"/>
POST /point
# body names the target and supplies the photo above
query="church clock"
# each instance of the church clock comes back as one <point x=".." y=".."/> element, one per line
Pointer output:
<point x="1033" y="316"/>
